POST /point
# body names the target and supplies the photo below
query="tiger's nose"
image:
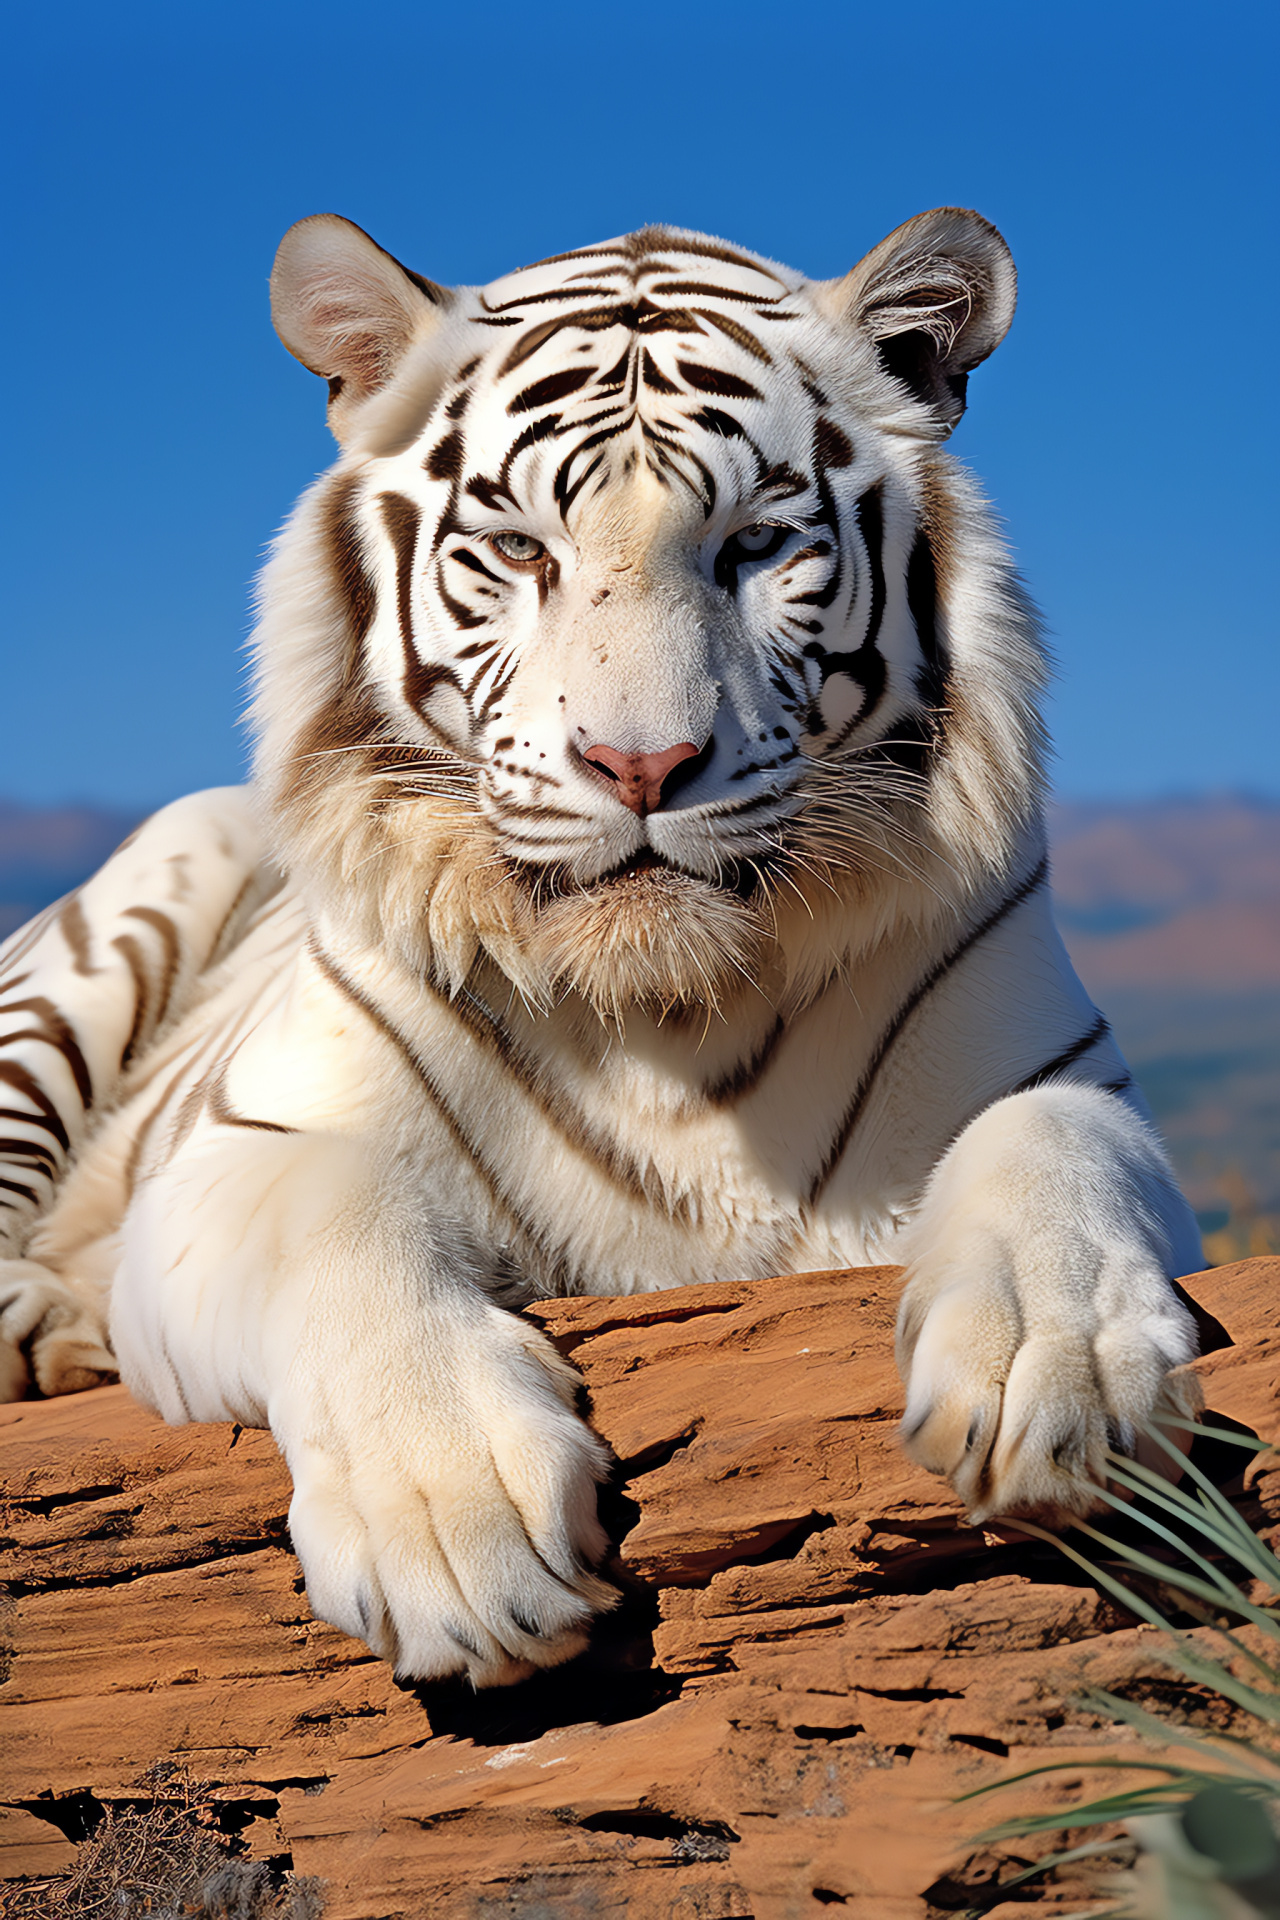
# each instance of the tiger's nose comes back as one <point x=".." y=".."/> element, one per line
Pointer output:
<point x="640" y="777"/>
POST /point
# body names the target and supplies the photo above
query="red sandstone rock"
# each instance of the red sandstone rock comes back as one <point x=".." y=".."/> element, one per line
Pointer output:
<point x="813" y="1657"/>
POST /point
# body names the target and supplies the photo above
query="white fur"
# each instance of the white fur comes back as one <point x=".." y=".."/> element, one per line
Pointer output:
<point x="414" y="1082"/>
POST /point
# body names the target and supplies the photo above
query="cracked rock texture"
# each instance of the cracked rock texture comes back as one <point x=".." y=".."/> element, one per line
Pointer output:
<point x="814" y="1654"/>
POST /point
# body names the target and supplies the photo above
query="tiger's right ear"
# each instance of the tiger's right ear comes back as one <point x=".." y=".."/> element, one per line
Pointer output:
<point x="348" y="310"/>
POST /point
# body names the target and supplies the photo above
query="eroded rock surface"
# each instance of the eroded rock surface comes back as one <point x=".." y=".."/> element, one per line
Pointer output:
<point x="814" y="1655"/>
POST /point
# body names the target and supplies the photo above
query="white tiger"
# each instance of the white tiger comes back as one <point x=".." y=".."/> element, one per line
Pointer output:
<point x="643" y="881"/>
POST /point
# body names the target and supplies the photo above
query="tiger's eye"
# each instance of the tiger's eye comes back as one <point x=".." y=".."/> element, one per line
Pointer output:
<point x="756" y="539"/>
<point x="520" y="548"/>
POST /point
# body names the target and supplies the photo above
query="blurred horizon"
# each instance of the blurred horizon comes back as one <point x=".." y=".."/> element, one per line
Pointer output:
<point x="159" y="434"/>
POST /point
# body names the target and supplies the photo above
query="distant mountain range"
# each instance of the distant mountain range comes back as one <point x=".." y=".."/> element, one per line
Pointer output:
<point x="45" y="851"/>
<point x="1171" y="912"/>
<point x="1174" y="894"/>
<point x="1170" y="909"/>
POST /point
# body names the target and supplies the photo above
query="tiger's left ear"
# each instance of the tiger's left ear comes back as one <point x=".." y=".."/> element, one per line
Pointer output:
<point x="936" y="298"/>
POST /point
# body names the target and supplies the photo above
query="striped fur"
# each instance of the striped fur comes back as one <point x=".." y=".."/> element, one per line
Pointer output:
<point x="312" y="1082"/>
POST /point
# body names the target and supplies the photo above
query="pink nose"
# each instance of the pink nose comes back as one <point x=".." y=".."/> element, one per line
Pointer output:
<point x="640" y="776"/>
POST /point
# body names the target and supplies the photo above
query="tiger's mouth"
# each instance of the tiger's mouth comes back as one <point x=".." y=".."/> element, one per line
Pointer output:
<point x="640" y="871"/>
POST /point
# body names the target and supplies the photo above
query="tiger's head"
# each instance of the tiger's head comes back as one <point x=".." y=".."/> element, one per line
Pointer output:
<point x="643" y="639"/>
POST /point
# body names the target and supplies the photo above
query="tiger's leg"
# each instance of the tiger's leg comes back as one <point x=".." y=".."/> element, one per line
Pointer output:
<point x="1039" y="1325"/>
<point x="85" y="990"/>
<point x="444" y="1487"/>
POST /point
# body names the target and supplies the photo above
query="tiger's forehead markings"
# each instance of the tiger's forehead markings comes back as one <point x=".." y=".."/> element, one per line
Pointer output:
<point x="639" y="308"/>
<point x="693" y="319"/>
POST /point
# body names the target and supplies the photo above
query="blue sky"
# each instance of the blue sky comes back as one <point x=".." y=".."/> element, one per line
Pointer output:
<point x="157" y="432"/>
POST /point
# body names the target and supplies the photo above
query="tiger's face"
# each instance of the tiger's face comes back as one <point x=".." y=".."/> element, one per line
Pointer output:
<point x="638" y="555"/>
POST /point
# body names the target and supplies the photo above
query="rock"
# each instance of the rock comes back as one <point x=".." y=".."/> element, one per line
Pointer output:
<point x="813" y="1657"/>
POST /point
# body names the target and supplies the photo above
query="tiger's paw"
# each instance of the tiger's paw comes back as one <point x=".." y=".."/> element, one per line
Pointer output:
<point x="1019" y="1381"/>
<point x="49" y="1338"/>
<point x="453" y="1528"/>
<point x="1038" y="1328"/>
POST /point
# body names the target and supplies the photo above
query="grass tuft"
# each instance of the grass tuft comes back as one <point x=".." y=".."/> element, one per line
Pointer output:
<point x="165" y="1860"/>
<point x="1204" y="1815"/>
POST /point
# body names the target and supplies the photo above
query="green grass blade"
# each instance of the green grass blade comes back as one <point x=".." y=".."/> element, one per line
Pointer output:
<point x="1176" y="1578"/>
<point x="1066" y="1857"/>
<point x="1219" y="1679"/>
<point x="1108" y="1807"/>
<point x="1172" y="1735"/>
<point x="1186" y="1657"/>
<point x="1101" y="1765"/>
<point x="1205" y="1525"/>
<point x="1250" y="1441"/>
<point x="1133" y="1601"/>
<point x="1216" y="1520"/>
<point x="1227" y="1589"/>
<point x="1206" y="1512"/>
<point x="1166" y="1785"/>
<point x="1263" y="1555"/>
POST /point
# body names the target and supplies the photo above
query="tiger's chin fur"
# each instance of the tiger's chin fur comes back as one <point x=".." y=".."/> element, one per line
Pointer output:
<point x="657" y="939"/>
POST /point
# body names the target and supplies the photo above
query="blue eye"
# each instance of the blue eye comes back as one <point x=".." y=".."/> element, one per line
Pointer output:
<point x="756" y="540"/>
<point x="760" y="541"/>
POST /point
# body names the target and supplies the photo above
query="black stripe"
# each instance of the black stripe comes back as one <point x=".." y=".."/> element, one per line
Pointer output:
<point x="660" y="240"/>
<point x="465" y="558"/>
<point x="831" y="445"/>
<point x="445" y="461"/>
<point x="341" y="532"/>
<point x="922" y="600"/>
<point x="553" y="1265"/>
<point x="556" y="386"/>
<point x="605" y="1154"/>
<point x="215" y="945"/>
<point x="142" y="1134"/>
<point x="220" y="1108"/>
<point x="1100" y="1028"/>
<point x="30" y="1153"/>
<point x="75" y="931"/>
<point x="725" y="386"/>
<point x="504" y="313"/>
<point x="709" y="291"/>
<point x="865" y="664"/>
<point x="54" y="1031"/>
<point x="128" y="948"/>
<point x="740" y="335"/>
<point x="161" y="923"/>
<point x="19" y="944"/>
<point x="853" y="1113"/>
<point x="402" y="519"/>
<point x="47" y="1117"/>
<point x="740" y="1080"/>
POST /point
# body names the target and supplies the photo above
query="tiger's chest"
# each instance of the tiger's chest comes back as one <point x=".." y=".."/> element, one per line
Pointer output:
<point x="666" y="1154"/>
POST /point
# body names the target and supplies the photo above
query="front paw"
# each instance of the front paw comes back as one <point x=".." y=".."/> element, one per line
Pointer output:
<point x="1023" y="1366"/>
<point x="445" y="1512"/>
<point x="49" y="1338"/>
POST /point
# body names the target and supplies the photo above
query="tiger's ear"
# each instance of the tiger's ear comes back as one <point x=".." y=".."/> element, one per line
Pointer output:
<point x="936" y="298"/>
<point x="348" y="310"/>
